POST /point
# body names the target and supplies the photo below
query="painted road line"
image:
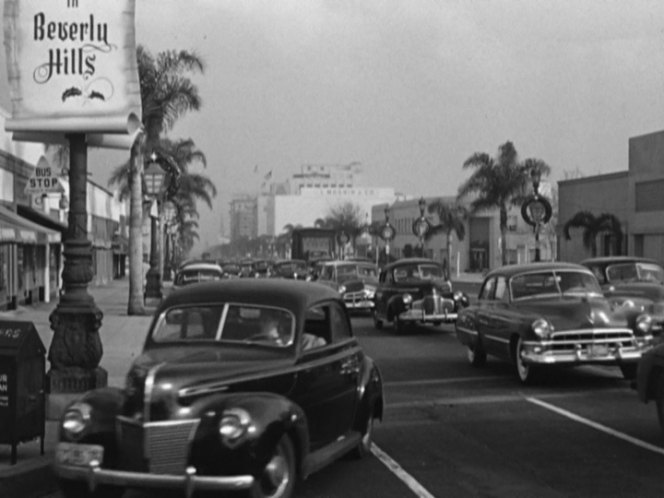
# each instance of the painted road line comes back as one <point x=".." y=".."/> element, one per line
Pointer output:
<point x="466" y="400"/>
<point x="599" y="427"/>
<point x="398" y="471"/>
<point x="429" y="382"/>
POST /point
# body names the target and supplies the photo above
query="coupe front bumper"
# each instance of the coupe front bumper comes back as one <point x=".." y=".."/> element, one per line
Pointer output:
<point x="419" y="315"/>
<point x="189" y="482"/>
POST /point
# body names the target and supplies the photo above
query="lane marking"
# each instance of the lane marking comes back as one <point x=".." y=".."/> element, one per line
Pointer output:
<point x="595" y="425"/>
<point x="456" y="401"/>
<point x="398" y="471"/>
<point x="428" y="382"/>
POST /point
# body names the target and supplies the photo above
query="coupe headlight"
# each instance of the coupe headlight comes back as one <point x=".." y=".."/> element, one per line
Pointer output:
<point x="407" y="299"/>
<point x="341" y="289"/>
<point x="76" y="419"/>
<point x="542" y="328"/>
<point x="234" y="425"/>
<point x="644" y="324"/>
<point x="458" y="296"/>
<point x="369" y="291"/>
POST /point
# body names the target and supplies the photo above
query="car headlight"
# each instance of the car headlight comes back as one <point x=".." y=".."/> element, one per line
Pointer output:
<point x="542" y="328"/>
<point x="341" y="289"/>
<point x="407" y="299"/>
<point x="76" y="419"/>
<point x="234" y="424"/>
<point x="369" y="291"/>
<point x="458" y="296"/>
<point x="644" y="324"/>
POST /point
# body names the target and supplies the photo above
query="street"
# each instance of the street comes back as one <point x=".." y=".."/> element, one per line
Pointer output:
<point x="452" y="430"/>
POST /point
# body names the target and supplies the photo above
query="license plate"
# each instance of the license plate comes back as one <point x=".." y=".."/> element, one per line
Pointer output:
<point x="598" y="350"/>
<point x="78" y="454"/>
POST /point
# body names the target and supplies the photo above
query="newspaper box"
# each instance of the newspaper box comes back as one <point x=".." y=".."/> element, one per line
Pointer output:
<point x="22" y="375"/>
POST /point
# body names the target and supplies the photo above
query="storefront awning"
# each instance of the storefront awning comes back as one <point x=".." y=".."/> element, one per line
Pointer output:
<point x="15" y="228"/>
<point x="41" y="218"/>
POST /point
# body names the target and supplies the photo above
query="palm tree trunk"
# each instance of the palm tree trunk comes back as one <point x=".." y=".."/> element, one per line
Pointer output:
<point x="136" y="306"/>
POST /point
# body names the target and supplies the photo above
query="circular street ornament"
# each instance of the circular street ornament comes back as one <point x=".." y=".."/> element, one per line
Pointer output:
<point x="421" y="227"/>
<point x="536" y="211"/>
<point x="387" y="233"/>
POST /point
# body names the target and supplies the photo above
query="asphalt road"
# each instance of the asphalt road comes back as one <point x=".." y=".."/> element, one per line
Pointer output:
<point x="451" y="430"/>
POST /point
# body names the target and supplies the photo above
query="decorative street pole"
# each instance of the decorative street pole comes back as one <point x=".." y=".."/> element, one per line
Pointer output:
<point x="76" y="348"/>
<point x="537" y="210"/>
<point x="169" y="217"/>
<point x="421" y="225"/>
<point x="387" y="233"/>
<point x="154" y="176"/>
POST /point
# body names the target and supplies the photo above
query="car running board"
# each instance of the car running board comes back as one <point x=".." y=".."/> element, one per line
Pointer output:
<point x="323" y="456"/>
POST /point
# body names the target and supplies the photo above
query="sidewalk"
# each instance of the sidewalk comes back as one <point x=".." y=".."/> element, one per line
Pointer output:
<point x="122" y="339"/>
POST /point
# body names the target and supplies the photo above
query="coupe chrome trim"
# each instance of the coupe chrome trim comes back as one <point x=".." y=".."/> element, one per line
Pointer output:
<point x="214" y="387"/>
<point x="147" y="390"/>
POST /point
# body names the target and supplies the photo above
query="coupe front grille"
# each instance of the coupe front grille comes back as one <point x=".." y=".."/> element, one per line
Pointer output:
<point x="163" y="445"/>
<point x="570" y="339"/>
<point x="436" y="305"/>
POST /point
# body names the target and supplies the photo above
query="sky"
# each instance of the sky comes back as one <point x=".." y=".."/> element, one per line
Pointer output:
<point x="412" y="88"/>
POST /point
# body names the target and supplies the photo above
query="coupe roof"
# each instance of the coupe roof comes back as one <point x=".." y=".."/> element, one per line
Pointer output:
<point x="290" y="294"/>
<point x="510" y="270"/>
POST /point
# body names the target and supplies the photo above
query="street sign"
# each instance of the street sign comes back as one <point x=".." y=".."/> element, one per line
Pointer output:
<point x="43" y="179"/>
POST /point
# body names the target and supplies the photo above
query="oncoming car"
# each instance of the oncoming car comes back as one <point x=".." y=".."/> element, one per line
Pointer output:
<point x="242" y="385"/>
<point x="416" y="290"/>
<point x="356" y="281"/>
<point x="194" y="273"/>
<point x="541" y="315"/>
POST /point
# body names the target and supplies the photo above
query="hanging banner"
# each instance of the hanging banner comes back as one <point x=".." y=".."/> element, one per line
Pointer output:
<point x="72" y="66"/>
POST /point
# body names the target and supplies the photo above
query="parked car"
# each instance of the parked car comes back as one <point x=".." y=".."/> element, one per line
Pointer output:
<point x="196" y="272"/>
<point x="231" y="270"/>
<point x="290" y="268"/>
<point x="227" y="395"/>
<point x="542" y="315"/>
<point x="633" y="282"/>
<point x="356" y="281"/>
<point x="650" y="380"/>
<point x="415" y="290"/>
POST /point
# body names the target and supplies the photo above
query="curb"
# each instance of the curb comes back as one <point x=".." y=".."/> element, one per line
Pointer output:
<point x="35" y="480"/>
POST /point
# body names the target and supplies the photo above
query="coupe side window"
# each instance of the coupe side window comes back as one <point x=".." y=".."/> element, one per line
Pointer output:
<point x="316" y="331"/>
<point x="501" y="290"/>
<point x="488" y="288"/>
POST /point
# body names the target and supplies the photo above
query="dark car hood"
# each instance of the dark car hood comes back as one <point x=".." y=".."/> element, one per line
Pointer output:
<point x="643" y="290"/>
<point x="573" y="312"/>
<point x="188" y="366"/>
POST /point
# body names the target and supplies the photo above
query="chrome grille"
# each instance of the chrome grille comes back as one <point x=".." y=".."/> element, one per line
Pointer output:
<point x="436" y="305"/>
<point x="610" y="337"/>
<point x="165" y="445"/>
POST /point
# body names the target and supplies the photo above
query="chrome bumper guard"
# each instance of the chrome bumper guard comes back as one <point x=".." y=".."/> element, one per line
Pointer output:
<point x="189" y="482"/>
<point x="418" y="315"/>
<point x="613" y="346"/>
<point x="359" y="304"/>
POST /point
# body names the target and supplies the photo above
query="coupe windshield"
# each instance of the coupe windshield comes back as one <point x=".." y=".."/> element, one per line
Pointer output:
<point x="237" y="323"/>
<point x="418" y="272"/>
<point x="553" y="283"/>
<point x="635" y="272"/>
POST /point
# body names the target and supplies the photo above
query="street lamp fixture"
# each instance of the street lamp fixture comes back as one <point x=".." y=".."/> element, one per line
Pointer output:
<point x="421" y="225"/>
<point x="535" y="176"/>
<point x="422" y="204"/>
<point x="387" y="233"/>
<point x="169" y="218"/>
<point x="154" y="177"/>
<point x="536" y="210"/>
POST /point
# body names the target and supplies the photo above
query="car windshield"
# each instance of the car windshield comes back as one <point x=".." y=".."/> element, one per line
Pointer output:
<point x="553" y="283"/>
<point x="186" y="277"/>
<point x="291" y="267"/>
<point x="635" y="272"/>
<point x="226" y="323"/>
<point x="417" y="272"/>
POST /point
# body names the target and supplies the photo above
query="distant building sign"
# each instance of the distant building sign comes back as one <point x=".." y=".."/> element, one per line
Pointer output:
<point x="72" y="66"/>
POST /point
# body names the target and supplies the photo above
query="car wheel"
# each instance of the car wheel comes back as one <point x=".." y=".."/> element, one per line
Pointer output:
<point x="525" y="372"/>
<point x="629" y="371"/>
<point x="378" y="324"/>
<point x="80" y="489"/>
<point x="363" y="447"/>
<point x="277" y="480"/>
<point x="476" y="355"/>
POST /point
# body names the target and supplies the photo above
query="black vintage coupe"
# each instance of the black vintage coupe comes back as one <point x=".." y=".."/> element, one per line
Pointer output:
<point x="633" y="282"/>
<point x="415" y="290"/>
<point x="542" y="315"/>
<point x="242" y="385"/>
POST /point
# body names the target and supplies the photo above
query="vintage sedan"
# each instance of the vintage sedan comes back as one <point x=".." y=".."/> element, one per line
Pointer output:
<point x="241" y="385"/>
<point x="542" y="315"/>
<point x="196" y="272"/>
<point x="355" y="280"/>
<point x="632" y="281"/>
<point x="415" y="290"/>
<point x="290" y="268"/>
<point x="650" y="380"/>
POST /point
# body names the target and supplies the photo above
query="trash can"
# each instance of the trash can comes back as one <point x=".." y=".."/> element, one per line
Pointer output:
<point x="22" y="381"/>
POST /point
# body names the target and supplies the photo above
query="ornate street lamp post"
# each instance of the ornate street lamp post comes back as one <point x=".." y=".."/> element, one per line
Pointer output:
<point x="421" y="225"/>
<point x="169" y="217"/>
<point x="387" y="233"/>
<point x="154" y="176"/>
<point x="536" y="210"/>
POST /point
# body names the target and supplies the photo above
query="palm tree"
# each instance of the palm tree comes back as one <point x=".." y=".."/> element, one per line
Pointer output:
<point x="167" y="93"/>
<point x="499" y="183"/>
<point x="451" y="219"/>
<point x="594" y="225"/>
